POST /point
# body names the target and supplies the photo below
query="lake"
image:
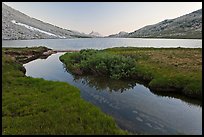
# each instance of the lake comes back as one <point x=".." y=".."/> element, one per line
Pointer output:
<point x="133" y="106"/>
<point x="101" y="43"/>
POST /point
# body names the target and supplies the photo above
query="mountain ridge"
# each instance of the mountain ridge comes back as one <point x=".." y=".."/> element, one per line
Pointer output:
<point x="17" y="25"/>
<point x="185" y="26"/>
<point x="95" y="34"/>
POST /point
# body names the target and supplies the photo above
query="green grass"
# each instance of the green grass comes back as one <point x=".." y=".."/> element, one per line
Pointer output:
<point x="168" y="69"/>
<point x="176" y="70"/>
<point x="35" y="106"/>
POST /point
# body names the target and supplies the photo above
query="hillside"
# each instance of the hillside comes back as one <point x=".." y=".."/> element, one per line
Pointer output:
<point x="186" y="26"/>
<point x="16" y="25"/>
<point x="95" y="34"/>
<point x="121" y="34"/>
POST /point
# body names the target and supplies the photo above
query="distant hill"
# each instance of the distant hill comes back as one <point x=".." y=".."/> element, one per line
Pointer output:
<point x="186" y="26"/>
<point x="95" y="34"/>
<point x="16" y="25"/>
<point x="119" y="35"/>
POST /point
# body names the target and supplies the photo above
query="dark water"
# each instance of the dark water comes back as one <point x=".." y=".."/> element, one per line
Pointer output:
<point x="133" y="106"/>
<point x="101" y="43"/>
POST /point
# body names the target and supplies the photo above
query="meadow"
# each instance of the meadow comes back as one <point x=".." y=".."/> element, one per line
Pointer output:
<point x="168" y="70"/>
<point x="34" y="106"/>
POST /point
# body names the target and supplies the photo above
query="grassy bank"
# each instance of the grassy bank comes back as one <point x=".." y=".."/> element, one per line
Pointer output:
<point x="176" y="70"/>
<point x="36" y="106"/>
<point x="23" y="55"/>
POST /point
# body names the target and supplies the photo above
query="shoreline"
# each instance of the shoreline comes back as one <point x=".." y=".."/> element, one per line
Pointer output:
<point x="156" y="67"/>
<point x="109" y="37"/>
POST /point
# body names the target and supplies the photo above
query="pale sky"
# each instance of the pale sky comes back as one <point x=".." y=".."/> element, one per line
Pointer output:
<point x="104" y="17"/>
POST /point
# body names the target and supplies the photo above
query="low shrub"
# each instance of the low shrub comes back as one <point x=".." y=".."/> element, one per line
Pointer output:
<point x="99" y="63"/>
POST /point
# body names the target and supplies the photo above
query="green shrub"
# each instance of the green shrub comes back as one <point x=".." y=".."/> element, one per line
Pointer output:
<point x="99" y="63"/>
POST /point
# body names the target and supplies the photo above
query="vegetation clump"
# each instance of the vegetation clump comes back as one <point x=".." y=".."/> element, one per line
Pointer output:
<point x="177" y="70"/>
<point x="99" y="63"/>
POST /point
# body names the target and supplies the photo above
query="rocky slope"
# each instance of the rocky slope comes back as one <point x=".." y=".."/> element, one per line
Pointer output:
<point x="95" y="34"/>
<point x="16" y="25"/>
<point x="121" y="34"/>
<point x="186" y="26"/>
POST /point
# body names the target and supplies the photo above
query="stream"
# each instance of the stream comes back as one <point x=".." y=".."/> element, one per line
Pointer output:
<point x="134" y="107"/>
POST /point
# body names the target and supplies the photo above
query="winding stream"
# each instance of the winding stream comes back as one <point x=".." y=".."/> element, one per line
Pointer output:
<point x="133" y="106"/>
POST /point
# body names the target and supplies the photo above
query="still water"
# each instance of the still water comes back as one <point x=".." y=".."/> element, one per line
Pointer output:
<point x="133" y="106"/>
<point x="101" y="43"/>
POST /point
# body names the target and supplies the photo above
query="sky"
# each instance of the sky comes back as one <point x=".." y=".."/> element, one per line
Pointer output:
<point x="104" y="17"/>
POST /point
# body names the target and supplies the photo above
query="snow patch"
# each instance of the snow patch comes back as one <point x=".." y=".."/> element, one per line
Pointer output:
<point x="35" y="29"/>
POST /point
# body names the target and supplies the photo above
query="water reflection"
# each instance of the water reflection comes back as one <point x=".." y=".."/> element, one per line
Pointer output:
<point x="187" y="100"/>
<point x="111" y="85"/>
<point x="104" y="83"/>
<point x="140" y="110"/>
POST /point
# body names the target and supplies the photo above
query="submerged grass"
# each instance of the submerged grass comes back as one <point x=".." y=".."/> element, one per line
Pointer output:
<point x="176" y="70"/>
<point x="35" y="106"/>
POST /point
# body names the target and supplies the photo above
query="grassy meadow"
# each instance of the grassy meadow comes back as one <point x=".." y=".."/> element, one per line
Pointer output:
<point x="33" y="106"/>
<point x="175" y="70"/>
